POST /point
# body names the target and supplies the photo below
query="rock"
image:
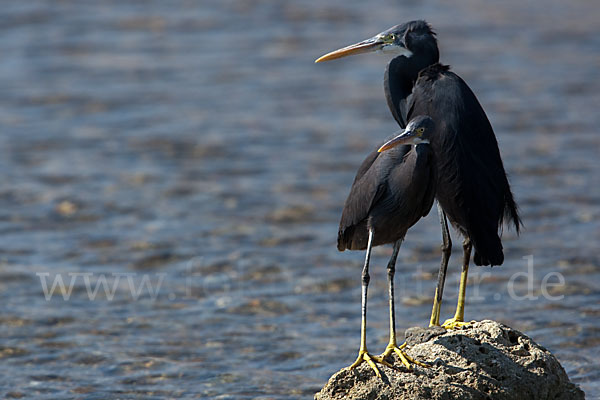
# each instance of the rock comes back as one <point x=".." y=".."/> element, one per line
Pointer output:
<point x="486" y="360"/>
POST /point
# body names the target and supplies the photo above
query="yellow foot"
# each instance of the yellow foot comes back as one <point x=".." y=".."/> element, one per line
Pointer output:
<point x="364" y="356"/>
<point x="454" y="323"/>
<point x="405" y="358"/>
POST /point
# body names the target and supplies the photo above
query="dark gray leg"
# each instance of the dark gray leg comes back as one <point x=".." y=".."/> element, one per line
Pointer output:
<point x="392" y="345"/>
<point x="446" y="251"/>
<point x="391" y="270"/>
<point x="363" y="354"/>
<point x="366" y="278"/>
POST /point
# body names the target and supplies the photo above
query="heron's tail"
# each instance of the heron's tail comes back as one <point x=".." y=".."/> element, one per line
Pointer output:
<point x="487" y="242"/>
<point x="353" y="238"/>
<point x="488" y="250"/>
<point x="511" y="211"/>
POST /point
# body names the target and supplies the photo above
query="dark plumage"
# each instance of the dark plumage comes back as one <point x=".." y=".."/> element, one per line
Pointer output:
<point x="392" y="190"/>
<point x="473" y="189"/>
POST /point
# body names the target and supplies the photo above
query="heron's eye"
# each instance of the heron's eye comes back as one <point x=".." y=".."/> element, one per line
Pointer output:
<point x="420" y="131"/>
<point x="392" y="37"/>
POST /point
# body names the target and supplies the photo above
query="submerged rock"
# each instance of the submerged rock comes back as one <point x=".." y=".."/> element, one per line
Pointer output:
<point x="486" y="360"/>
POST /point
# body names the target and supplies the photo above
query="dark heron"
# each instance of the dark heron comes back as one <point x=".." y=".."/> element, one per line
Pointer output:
<point x="391" y="192"/>
<point x="473" y="190"/>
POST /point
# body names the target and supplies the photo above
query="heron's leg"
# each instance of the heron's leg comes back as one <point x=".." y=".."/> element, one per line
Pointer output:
<point x="363" y="354"/>
<point x="446" y="251"/>
<point x="392" y="346"/>
<point x="459" y="316"/>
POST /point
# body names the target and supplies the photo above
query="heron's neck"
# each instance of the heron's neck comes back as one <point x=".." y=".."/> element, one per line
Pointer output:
<point x="399" y="78"/>
<point x="407" y="68"/>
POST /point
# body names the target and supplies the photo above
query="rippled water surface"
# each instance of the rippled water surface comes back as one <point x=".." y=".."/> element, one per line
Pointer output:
<point x="190" y="156"/>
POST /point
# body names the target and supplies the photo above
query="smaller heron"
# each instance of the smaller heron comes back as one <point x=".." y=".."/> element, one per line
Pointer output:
<point x="393" y="188"/>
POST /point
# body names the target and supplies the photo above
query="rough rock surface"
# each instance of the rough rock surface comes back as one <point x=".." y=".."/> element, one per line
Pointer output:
<point x="486" y="360"/>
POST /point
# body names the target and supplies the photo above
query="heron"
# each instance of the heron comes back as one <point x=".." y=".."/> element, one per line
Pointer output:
<point x="393" y="188"/>
<point x="473" y="191"/>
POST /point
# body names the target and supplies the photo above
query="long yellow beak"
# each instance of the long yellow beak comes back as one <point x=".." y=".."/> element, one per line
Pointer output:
<point x="366" y="46"/>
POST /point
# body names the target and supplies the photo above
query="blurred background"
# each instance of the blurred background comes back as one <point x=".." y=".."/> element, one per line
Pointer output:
<point x="182" y="166"/>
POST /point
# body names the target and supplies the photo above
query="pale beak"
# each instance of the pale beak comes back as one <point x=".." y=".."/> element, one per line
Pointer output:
<point x="366" y="46"/>
<point x="405" y="137"/>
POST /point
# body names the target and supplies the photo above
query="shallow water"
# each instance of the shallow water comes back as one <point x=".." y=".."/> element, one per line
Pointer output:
<point x="193" y="156"/>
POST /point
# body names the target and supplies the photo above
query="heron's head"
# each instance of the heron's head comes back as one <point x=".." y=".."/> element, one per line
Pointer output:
<point x="414" y="38"/>
<point x="418" y="130"/>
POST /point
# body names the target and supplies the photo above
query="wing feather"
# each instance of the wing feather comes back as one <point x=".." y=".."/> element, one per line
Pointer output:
<point x="473" y="187"/>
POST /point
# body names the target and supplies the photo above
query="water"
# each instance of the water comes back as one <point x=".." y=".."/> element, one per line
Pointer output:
<point x="191" y="154"/>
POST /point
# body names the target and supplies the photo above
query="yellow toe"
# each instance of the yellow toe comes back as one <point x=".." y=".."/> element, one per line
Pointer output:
<point x="454" y="324"/>
<point x="363" y="356"/>
<point x="406" y="360"/>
